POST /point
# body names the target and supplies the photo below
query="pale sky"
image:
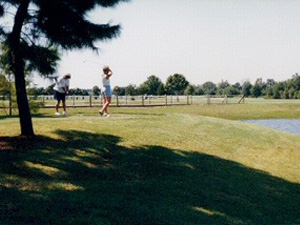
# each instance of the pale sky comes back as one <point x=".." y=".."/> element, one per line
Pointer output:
<point x="205" y="40"/>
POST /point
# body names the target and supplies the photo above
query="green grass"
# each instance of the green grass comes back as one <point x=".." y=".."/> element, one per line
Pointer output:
<point x="252" y="109"/>
<point x="164" y="165"/>
<point x="230" y="112"/>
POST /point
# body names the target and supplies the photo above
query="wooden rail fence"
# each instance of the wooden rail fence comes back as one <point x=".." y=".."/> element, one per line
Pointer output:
<point x="47" y="101"/>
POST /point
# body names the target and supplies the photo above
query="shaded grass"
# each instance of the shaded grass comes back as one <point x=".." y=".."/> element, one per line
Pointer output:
<point x="88" y="178"/>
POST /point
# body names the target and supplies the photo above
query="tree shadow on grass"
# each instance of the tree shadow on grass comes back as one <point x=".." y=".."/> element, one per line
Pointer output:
<point x="87" y="178"/>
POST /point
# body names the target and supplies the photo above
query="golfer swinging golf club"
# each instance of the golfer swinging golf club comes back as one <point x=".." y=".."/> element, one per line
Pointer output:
<point x="106" y="91"/>
<point x="61" y="89"/>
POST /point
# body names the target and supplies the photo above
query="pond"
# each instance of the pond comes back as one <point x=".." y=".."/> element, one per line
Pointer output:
<point x="286" y="125"/>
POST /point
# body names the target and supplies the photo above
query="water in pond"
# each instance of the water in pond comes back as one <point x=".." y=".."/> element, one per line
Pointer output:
<point x="286" y="125"/>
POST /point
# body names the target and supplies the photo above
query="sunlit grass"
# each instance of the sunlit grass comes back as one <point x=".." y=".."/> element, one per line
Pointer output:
<point x="252" y="109"/>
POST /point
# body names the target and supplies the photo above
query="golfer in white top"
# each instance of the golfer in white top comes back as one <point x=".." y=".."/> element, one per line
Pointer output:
<point x="106" y="90"/>
<point x="61" y="89"/>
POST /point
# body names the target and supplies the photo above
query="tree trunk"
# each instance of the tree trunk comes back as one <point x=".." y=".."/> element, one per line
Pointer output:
<point x="18" y="69"/>
<point x="23" y="105"/>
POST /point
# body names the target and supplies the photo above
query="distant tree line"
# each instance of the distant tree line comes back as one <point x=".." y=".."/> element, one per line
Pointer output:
<point x="178" y="85"/>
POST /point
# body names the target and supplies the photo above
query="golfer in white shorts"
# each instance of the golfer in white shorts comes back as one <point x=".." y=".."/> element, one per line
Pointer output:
<point x="106" y="90"/>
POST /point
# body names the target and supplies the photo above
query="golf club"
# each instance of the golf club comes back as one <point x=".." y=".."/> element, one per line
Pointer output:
<point x="88" y="61"/>
<point x="52" y="77"/>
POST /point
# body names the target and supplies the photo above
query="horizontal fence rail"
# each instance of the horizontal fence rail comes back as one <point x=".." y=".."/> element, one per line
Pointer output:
<point x="48" y="101"/>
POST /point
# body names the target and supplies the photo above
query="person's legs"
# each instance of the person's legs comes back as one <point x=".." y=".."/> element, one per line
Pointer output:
<point x="64" y="106"/>
<point x="55" y="95"/>
<point x="108" y="101"/>
<point x="57" y="105"/>
<point x="104" y="102"/>
<point x="103" y="106"/>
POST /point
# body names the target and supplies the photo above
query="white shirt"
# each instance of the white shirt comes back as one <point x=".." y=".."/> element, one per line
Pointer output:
<point x="105" y="81"/>
<point x="61" y="84"/>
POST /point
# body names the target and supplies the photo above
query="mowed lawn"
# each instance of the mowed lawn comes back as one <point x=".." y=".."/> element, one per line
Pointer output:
<point x="164" y="165"/>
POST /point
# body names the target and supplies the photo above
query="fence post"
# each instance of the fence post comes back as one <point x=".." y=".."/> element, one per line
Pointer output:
<point x="73" y="100"/>
<point x="187" y="99"/>
<point x="117" y="100"/>
<point x="208" y="99"/>
<point x="225" y="99"/>
<point x="10" y="104"/>
<point x="242" y="99"/>
<point x="166" y="100"/>
<point x="90" y="100"/>
<point x="143" y="100"/>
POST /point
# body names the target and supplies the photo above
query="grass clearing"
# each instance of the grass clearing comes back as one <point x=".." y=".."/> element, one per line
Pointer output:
<point x="231" y="112"/>
<point x="165" y="165"/>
